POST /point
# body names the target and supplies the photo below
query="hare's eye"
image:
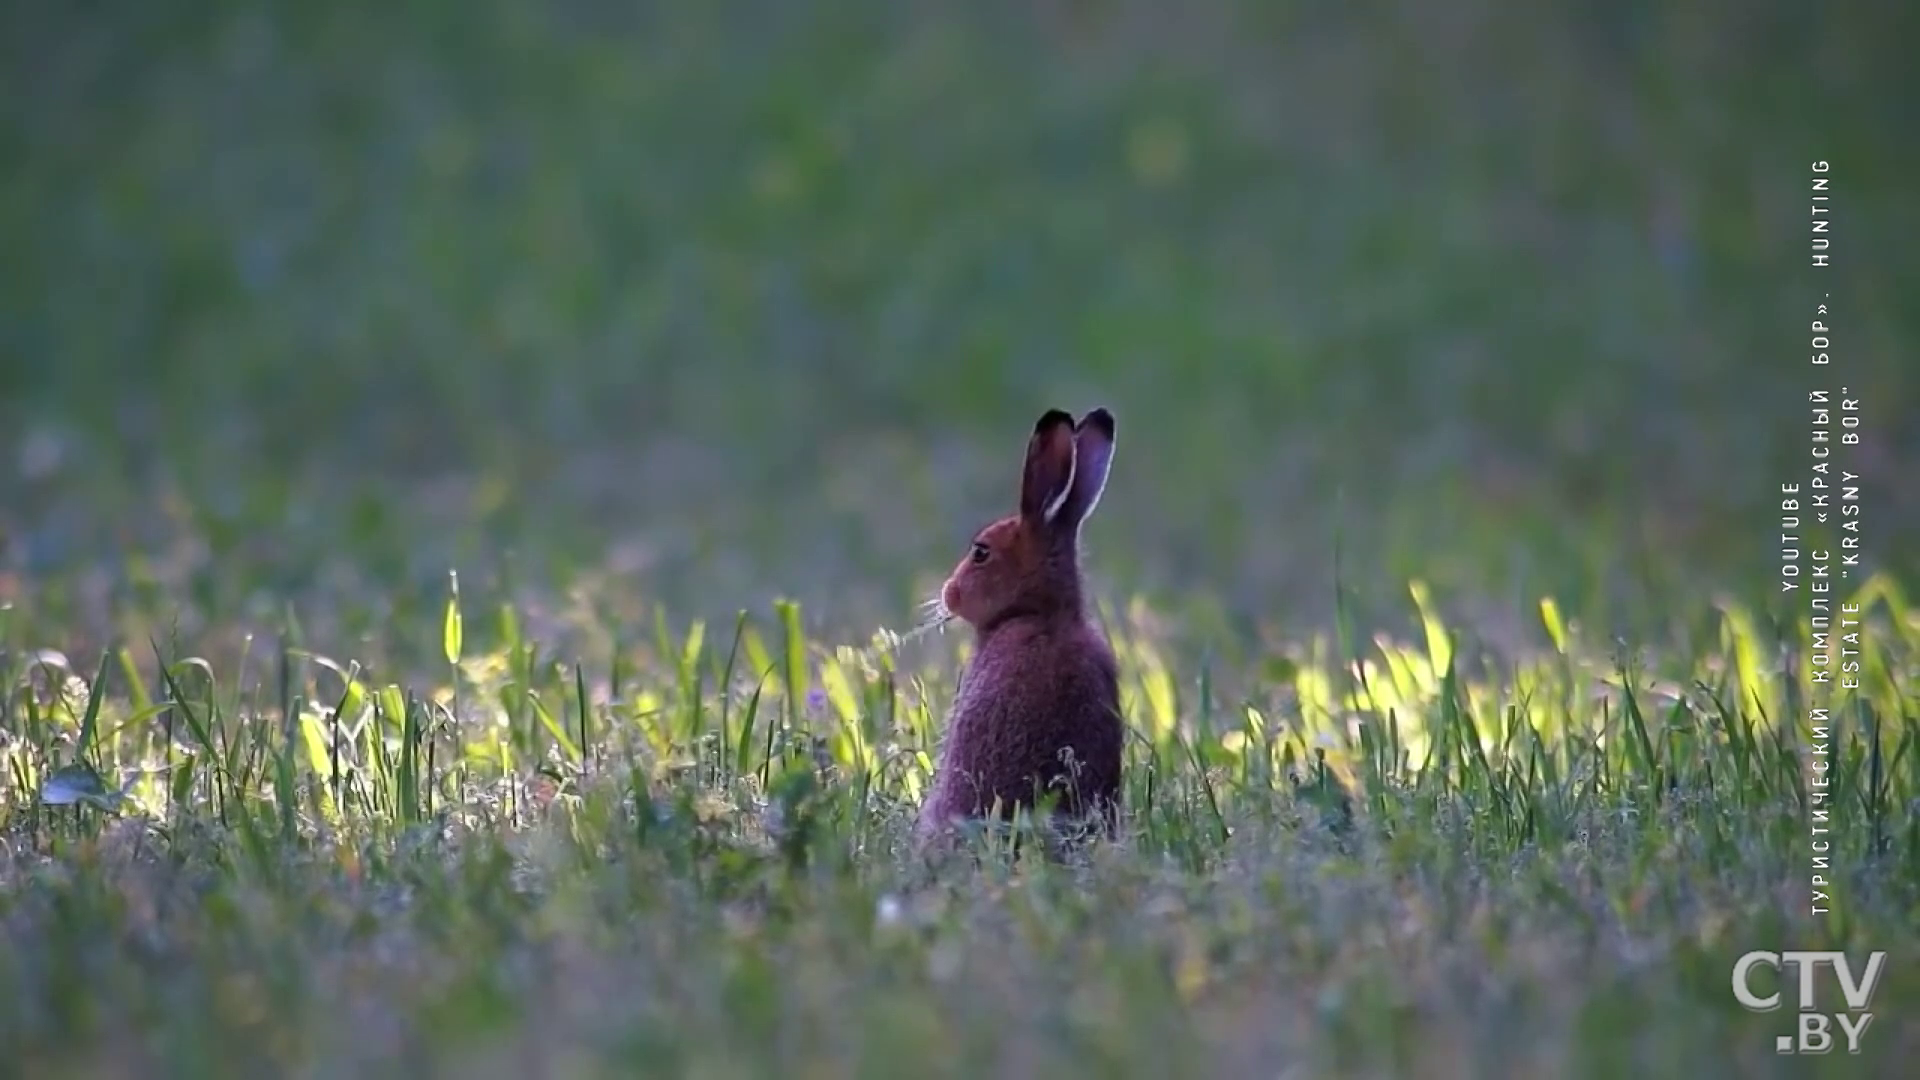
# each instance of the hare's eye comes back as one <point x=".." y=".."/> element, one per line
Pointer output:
<point x="979" y="553"/>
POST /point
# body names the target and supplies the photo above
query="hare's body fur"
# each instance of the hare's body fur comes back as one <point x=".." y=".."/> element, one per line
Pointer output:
<point x="1037" y="715"/>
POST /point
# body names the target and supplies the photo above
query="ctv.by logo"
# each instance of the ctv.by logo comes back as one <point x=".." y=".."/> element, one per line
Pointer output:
<point x="1815" y="1032"/>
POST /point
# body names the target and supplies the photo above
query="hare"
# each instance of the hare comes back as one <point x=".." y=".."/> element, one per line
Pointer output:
<point x="1037" y="712"/>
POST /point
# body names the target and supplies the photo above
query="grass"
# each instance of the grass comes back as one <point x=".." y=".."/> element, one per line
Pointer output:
<point x="1457" y="362"/>
<point x="688" y="858"/>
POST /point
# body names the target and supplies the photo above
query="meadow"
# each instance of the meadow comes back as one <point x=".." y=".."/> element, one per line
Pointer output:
<point x="469" y="472"/>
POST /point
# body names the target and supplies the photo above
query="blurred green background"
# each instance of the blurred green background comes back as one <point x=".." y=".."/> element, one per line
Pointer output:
<point x="305" y="301"/>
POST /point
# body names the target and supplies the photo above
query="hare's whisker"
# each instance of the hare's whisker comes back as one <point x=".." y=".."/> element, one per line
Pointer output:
<point x="931" y="615"/>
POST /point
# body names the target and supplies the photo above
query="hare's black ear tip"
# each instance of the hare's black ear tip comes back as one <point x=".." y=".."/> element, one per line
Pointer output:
<point x="1100" y="420"/>
<point x="1051" y="419"/>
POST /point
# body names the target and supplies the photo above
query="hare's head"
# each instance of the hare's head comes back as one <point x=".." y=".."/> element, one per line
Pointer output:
<point x="1028" y="564"/>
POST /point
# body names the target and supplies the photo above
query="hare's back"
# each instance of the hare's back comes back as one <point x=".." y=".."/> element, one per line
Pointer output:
<point x="1066" y="694"/>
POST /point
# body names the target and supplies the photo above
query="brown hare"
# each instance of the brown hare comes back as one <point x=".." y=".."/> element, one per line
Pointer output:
<point x="1037" y="712"/>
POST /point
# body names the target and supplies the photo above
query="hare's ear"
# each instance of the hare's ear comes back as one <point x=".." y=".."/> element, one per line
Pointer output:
<point x="1048" y="478"/>
<point x="1093" y="453"/>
